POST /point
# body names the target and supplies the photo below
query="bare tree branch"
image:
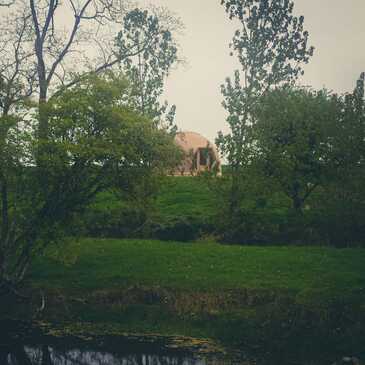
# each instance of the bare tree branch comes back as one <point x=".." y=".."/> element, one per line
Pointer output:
<point x="6" y="3"/>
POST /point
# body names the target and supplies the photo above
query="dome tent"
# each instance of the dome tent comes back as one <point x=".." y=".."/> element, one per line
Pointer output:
<point x="200" y="154"/>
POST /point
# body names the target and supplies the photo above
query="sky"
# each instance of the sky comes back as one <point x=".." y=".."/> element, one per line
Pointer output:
<point x="336" y="28"/>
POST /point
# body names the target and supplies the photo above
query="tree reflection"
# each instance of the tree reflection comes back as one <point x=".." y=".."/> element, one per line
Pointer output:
<point x="47" y="355"/>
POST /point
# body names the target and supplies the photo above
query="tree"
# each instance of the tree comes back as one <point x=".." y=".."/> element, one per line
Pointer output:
<point x="6" y="3"/>
<point x="17" y="70"/>
<point x="52" y="48"/>
<point x="349" y="140"/>
<point x="86" y="39"/>
<point x="292" y="131"/>
<point x="54" y="162"/>
<point x="158" y="53"/>
<point x="271" y="46"/>
<point x="95" y="141"/>
<point x="341" y="205"/>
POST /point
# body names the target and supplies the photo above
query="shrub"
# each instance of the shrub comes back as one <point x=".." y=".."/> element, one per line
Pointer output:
<point x="178" y="229"/>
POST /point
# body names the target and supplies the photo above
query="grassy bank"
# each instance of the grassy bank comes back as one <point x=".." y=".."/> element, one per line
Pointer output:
<point x="300" y="298"/>
<point x="92" y="264"/>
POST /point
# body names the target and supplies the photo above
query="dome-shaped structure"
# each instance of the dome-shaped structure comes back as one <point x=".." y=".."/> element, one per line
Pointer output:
<point x="200" y="154"/>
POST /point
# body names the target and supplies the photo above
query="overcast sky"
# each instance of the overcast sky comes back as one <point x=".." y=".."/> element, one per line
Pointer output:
<point x="337" y="30"/>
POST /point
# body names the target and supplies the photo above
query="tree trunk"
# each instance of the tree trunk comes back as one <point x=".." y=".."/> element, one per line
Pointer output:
<point x="297" y="204"/>
<point x="43" y="89"/>
<point x="4" y="227"/>
<point x="43" y="115"/>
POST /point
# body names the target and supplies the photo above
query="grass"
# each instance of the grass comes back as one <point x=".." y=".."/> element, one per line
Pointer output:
<point x="310" y="299"/>
<point x="109" y="264"/>
<point x="182" y="196"/>
<point x="185" y="196"/>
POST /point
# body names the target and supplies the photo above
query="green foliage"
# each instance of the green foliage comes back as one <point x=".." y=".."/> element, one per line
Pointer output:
<point x="111" y="215"/>
<point x="288" y="143"/>
<point x="96" y="142"/>
<point x="261" y="210"/>
<point x="182" y="209"/>
<point x="271" y="46"/>
<point x="155" y="53"/>
<point x="342" y="201"/>
<point x="308" y="150"/>
<point x="178" y="229"/>
<point x="293" y="139"/>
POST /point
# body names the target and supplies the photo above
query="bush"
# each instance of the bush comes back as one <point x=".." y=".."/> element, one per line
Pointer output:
<point x="183" y="210"/>
<point x="118" y="222"/>
<point x="178" y="229"/>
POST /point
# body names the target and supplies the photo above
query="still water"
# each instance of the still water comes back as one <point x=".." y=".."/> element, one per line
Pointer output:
<point x="143" y="350"/>
<point x="48" y="355"/>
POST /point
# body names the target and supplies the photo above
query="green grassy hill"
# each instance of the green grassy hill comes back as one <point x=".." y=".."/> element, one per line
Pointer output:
<point x="185" y="197"/>
<point x="182" y="208"/>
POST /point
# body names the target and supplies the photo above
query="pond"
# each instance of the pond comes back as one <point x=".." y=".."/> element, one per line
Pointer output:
<point x="119" y="351"/>
<point x="21" y="344"/>
<point x="56" y="355"/>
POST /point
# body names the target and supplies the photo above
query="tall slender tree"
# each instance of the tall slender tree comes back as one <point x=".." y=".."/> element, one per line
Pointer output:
<point x="271" y="45"/>
<point x="148" y="70"/>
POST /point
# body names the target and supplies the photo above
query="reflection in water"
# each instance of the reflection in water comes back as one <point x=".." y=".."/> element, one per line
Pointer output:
<point x="46" y="355"/>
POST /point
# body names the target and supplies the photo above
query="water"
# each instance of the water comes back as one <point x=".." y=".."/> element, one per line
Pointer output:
<point x="129" y="354"/>
<point x="52" y="355"/>
<point x="31" y="347"/>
